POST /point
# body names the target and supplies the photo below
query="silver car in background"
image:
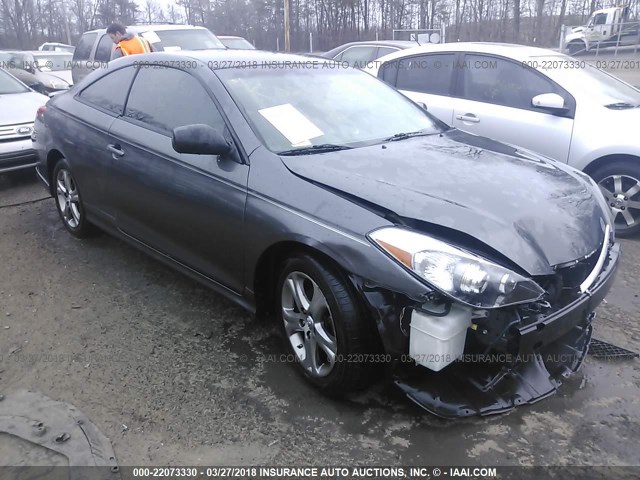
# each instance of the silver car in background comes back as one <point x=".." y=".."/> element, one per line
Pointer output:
<point x="550" y="103"/>
<point x="94" y="48"/>
<point x="18" y="107"/>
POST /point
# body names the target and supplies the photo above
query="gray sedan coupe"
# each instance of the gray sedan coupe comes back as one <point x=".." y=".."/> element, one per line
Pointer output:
<point x="381" y="239"/>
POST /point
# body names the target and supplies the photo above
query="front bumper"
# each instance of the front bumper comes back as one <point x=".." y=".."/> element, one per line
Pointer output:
<point x="16" y="155"/>
<point x="491" y="384"/>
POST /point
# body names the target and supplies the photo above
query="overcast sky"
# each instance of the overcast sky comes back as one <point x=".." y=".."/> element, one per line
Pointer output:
<point x="163" y="3"/>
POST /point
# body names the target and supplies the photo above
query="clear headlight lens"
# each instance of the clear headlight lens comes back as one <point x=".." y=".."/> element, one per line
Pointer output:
<point x="459" y="274"/>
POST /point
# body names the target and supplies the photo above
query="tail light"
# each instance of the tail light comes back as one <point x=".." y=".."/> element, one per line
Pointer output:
<point x="40" y="111"/>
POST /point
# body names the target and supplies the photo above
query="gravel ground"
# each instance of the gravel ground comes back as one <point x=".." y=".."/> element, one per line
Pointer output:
<point x="174" y="374"/>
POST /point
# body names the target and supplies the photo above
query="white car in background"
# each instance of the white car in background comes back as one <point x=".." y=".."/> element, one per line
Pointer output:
<point x="18" y="107"/>
<point x="538" y="99"/>
<point x="56" y="47"/>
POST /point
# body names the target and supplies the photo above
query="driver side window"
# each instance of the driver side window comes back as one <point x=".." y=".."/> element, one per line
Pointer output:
<point x="600" y="19"/>
<point x="165" y="98"/>
<point x="502" y="82"/>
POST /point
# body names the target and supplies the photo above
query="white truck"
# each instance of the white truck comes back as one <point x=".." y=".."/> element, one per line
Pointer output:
<point x="608" y="27"/>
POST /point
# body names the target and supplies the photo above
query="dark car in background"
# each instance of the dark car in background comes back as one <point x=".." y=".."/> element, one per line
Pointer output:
<point x="94" y="47"/>
<point x="18" y="107"/>
<point x="359" y="54"/>
<point x="377" y="235"/>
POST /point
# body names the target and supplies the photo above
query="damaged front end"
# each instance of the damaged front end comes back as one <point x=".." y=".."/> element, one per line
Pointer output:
<point x="457" y="360"/>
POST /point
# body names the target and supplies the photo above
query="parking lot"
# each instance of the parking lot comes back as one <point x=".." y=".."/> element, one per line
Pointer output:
<point x="174" y="374"/>
<point x="623" y="64"/>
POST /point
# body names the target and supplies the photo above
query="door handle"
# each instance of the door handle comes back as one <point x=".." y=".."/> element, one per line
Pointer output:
<point x="115" y="150"/>
<point x="468" y="117"/>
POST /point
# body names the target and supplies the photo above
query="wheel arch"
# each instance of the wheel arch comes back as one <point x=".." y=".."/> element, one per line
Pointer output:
<point x="598" y="162"/>
<point x="264" y="279"/>
<point x="53" y="157"/>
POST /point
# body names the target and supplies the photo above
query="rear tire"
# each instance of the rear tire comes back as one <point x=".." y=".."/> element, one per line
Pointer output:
<point x="619" y="181"/>
<point x="321" y="318"/>
<point x="66" y="193"/>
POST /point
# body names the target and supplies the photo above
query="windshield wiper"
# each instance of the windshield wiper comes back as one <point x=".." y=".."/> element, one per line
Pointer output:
<point x="310" y="150"/>
<point x="621" y="105"/>
<point x="405" y="135"/>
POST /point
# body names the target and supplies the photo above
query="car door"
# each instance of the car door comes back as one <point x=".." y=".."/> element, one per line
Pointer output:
<point x="85" y="136"/>
<point x="188" y="207"/>
<point x="81" y="56"/>
<point x="598" y="30"/>
<point x="102" y="55"/>
<point x="495" y="100"/>
<point x="427" y="79"/>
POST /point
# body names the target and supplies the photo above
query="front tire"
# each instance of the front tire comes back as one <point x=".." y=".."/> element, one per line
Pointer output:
<point x="69" y="202"/>
<point x="323" y="326"/>
<point x="576" y="48"/>
<point x="619" y="182"/>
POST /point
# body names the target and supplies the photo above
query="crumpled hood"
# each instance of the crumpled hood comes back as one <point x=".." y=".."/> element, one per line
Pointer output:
<point x="16" y="108"/>
<point x="536" y="212"/>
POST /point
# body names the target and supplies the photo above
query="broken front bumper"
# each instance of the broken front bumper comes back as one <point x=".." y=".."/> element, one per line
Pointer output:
<point x="550" y="350"/>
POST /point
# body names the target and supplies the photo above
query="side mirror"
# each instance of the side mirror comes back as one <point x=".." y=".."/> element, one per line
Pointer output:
<point x="549" y="101"/>
<point x="199" y="139"/>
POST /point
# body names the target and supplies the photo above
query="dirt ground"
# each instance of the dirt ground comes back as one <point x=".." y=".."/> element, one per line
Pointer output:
<point x="174" y="374"/>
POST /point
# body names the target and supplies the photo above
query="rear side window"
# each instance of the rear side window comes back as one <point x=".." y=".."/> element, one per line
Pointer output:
<point x="110" y="92"/>
<point x="382" y="51"/>
<point x="83" y="50"/>
<point x="427" y="74"/>
<point x="166" y="98"/>
<point x="103" y="52"/>
<point x="359" y="56"/>
<point x="388" y="72"/>
<point x="502" y="82"/>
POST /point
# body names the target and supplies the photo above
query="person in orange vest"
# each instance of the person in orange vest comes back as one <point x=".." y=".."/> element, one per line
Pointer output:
<point x="126" y="43"/>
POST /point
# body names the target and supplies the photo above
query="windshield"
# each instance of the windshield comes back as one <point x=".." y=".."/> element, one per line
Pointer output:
<point x="53" y="63"/>
<point x="185" y="39"/>
<point x="597" y="84"/>
<point x="14" y="60"/>
<point x="237" y="43"/>
<point x="301" y="107"/>
<point x="8" y="84"/>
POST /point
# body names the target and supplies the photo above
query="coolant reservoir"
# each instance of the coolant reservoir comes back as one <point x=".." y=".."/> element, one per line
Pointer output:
<point x="435" y="342"/>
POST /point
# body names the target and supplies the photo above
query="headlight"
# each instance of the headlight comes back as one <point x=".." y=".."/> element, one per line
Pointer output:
<point x="459" y="274"/>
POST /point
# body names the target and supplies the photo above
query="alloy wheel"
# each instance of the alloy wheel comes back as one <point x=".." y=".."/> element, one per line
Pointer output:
<point x="308" y="324"/>
<point x="68" y="198"/>
<point x="623" y="196"/>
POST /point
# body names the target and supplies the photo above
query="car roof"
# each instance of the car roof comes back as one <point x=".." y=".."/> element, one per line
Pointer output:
<point x="382" y="43"/>
<point x="48" y="52"/>
<point x="402" y="44"/>
<point x="228" y="37"/>
<point x="509" y="50"/>
<point x="151" y="27"/>
<point x="230" y="58"/>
